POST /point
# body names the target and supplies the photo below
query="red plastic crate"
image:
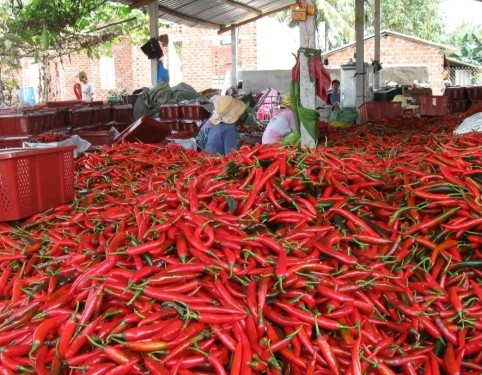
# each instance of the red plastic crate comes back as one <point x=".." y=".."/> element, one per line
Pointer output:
<point x="146" y="130"/>
<point x="101" y="114"/>
<point x="193" y="112"/>
<point x="9" y="142"/>
<point x="80" y="116"/>
<point x="474" y="93"/>
<point x="458" y="105"/>
<point x="190" y="126"/>
<point x="31" y="122"/>
<point x="34" y="180"/>
<point x="64" y="104"/>
<point x="10" y="123"/>
<point x="375" y="111"/>
<point x="456" y="93"/>
<point x="431" y="105"/>
<point x="122" y="113"/>
<point x="169" y="111"/>
<point x="475" y="102"/>
<point x="174" y="125"/>
<point x="98" y="137"/>
<point x="54" y="119"/>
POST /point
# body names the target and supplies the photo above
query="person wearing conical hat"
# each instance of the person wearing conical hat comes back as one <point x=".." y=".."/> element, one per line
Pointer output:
<point x="223" y="136"/>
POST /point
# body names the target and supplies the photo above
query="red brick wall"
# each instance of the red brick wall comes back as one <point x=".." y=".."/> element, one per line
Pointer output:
<point x="205" y="60"/>
<point x="396" y="50"/>
<point x="132" y="71"/>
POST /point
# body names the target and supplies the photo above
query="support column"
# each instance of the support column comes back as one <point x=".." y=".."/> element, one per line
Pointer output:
<point x="360" y="52"/>
<point x="234" y="57"/>
<point x="154" y="33"/>
<point x="376" y="76"/>
<point x="307" y="87"/>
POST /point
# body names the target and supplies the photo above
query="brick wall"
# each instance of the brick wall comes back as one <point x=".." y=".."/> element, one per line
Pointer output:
<point x="203" y="58"/>
<point x="395" y="50"/>
<point x="132" y="71"/>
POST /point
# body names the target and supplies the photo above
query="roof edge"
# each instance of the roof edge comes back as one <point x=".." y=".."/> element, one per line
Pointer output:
<point x="400" y="35"/>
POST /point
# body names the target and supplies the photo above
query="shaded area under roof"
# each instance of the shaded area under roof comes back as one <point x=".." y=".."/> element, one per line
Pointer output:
<point x="221" y="15"/>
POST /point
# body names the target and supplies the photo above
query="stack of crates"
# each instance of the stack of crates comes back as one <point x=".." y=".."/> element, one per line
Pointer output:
<point x="122" y="113"/>
<point x="457" y="99"/>
<point x="434" y="105"/>
<point x="192" y="117"/>
<point x="17" y="126"/>
<point x="170" y="114"/>
<point x="474" y="95"/>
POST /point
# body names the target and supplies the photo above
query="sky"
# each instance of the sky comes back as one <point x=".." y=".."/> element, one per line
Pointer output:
<point x="457" y="11"/>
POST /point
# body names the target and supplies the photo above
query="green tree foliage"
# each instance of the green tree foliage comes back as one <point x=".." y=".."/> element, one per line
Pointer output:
<point x="44" y="29"/>
<point x="470" y="49"/>
<point x="467" y="37"/>
<point x="417" y="18"/>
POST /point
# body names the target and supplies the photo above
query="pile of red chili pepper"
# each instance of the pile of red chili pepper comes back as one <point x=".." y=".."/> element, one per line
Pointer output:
<point x="49" y="137"/>
<point x="361" y="258"/>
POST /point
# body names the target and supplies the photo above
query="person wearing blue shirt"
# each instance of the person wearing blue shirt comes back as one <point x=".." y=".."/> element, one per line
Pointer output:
<point x="223" y="136"/>
<point x="334" y="96"/>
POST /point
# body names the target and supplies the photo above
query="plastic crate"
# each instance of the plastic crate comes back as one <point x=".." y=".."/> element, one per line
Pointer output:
<point x="474" y="93"/>
<point x="34" y="180"/>
<point x="193" y="112"/>
<point x="169" y="111"/>
<point x="174" y="125"/>
<point x="54" y="119"/>
<point x="10" y="123"/>
<point x="98" y="137"/>
<point x="146" y="129"/>
<point x="475" y="102"/>
<point x="456" y="93"/>
<point x="80" y="116"/>
<point x="101" y="114"/>
<point x="15" y="142"/>
<point x="31" y="122"/>
<point x="375" y="111"/>
<point x="434" y="105"/>
<point x="64" y="104"/>
<point x="458" y="105"/>
<point x="122" y="113"/>
<point x="190" y="126"/>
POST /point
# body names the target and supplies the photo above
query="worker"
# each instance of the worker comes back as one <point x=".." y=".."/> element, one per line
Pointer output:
<point x="280" y="125"/>
<point x="87" y="90"/>
<point x="223" y="136"/>
<point x="334" y="96"/>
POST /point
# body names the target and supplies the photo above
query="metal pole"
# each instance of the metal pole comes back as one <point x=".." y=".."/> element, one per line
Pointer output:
<point x="154" y="33"/>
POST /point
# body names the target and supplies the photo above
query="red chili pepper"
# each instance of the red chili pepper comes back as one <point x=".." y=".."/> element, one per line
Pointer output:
<point x="44" y="328"/>
<point x="81" y="338"/>
<point x="450" y="362"/>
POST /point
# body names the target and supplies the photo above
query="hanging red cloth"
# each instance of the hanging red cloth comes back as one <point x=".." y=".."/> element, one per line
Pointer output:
<point x="317" y="71"/>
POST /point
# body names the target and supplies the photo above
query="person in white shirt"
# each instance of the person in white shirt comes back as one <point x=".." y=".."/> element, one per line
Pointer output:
<point x="86" y="88"/>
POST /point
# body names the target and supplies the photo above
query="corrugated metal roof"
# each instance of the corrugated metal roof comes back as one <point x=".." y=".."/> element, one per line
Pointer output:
<point x="221" y="15"/>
